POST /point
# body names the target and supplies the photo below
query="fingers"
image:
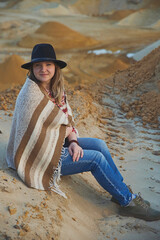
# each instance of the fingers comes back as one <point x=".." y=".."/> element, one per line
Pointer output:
<point x="77" y="155"/>
<point x="70" y="151"/>
<point x="75" y="151"/>
<point x="82" y="153"/>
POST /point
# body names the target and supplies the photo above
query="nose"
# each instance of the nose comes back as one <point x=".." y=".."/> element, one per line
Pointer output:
<point x="43" y="67"/>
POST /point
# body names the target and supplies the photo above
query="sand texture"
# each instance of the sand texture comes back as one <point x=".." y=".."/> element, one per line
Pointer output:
<point x="113" y="97"/>
<point x="57" y="34"/>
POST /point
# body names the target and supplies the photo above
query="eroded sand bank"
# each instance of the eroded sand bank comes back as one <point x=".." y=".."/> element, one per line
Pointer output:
<point x="113" y="98"/>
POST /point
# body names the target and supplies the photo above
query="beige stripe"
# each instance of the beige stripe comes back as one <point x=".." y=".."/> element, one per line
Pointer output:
<point x="55" y="159"/>
<point x="71" y="120"/>
<point x="45" y="154"/>
<point x="33" y="154"/>
<point x="29" y="130"/>
<point x="32" y="140"/>
<point x="50" y="148"/>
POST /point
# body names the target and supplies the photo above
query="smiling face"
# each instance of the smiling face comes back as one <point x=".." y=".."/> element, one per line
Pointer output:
<point x="44" y="71"/>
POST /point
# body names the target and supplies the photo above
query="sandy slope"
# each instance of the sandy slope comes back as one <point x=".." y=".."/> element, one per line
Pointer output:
<point x="59" y="35"/>
<point x="8" y="69"/>
<point x="118" y="109"/>
<point x="141" y="18"/>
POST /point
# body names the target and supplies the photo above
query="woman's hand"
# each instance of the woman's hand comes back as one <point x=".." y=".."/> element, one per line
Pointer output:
<point x="75" y="151"/>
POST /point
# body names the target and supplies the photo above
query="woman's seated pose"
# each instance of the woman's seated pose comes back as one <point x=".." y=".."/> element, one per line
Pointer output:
<point x="43" y="142"/>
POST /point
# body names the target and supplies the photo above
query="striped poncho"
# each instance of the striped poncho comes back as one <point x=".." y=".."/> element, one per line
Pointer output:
<point x="37" y="137"/>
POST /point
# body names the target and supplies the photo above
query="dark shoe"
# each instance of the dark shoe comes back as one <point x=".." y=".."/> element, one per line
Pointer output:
<point x="140" y="210"/>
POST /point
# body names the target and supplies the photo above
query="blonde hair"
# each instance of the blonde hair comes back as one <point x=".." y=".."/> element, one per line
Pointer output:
<point x="56" y="84"/>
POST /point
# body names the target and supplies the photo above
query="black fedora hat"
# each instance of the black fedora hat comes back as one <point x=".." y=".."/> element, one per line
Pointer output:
<point x="43" y="52"/>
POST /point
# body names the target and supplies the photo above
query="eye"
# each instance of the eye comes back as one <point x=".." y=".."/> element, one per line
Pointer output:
<point x="37" y="64"/>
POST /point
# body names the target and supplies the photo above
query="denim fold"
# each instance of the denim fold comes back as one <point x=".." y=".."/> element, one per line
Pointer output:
<point x="98" y="160"/>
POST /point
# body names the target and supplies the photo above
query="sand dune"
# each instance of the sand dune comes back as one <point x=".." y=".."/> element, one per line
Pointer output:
<point x="10" y="4"/>
<point x="118" y="64"/>
<point x="152" y="4"/>
<point x="24" y="5"/>
<point x="122" y="109"/>
<point x="143" y="17"/>
<point x="59" y="35"/>
<point x="11" y="73"/>
<point x="140" y="87"/>
<point x="155" y="25"/>
<point x="97" y="7"/>
<point x="87" y="7"/>
<point x="94" y="7"/>
<point x="43" y="7"/>
<point x="118" y="15"/>
<point x="6" y="25"/>
<point x="59" y="10"/>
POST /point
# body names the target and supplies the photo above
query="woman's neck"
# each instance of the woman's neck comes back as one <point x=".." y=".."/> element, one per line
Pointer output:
<point x="46" y="86"/>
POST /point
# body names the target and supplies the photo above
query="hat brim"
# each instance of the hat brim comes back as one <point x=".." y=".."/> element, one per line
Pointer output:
<point x="28" y="65"/>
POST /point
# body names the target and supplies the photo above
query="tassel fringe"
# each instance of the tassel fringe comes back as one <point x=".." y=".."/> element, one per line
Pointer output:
<point x="57" y="176"/>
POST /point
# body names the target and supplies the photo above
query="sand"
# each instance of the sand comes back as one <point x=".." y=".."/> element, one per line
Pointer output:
<point x="144" y="52"/>
<point x="118" y="15"/>
<point x="141" y="86"/>
<point x="9" y="75"/>
<point x="24" y="5"/>
<point x="98" y="7"/>
<point x="59" y="10"/>
<point x="59" y="35"/>
<point x="113" y="97"/>
<point x="142" y="17"/>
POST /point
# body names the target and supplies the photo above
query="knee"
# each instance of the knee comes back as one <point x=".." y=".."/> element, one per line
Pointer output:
<point x="100" y="144"/>
<point x="98" y="160"/>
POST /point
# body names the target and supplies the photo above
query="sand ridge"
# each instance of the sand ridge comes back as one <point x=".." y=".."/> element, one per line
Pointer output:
<point x="59" y="10"/>
<point x="140" y="85"/>
<point x="61" y="36"/>
<point x="98" y="8"/>
<point x="10" y="76"/>
<point x="143" y="17"/>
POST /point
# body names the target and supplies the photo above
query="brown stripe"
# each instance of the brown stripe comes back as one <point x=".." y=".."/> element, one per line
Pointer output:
<point x="38" y="144"/>
<point x="70" y="119"/>
<point x="55" y="159"/>
<point x="29" y="130"/>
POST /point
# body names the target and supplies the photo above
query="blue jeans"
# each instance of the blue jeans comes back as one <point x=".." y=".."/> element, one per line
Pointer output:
<point x="97" y="159"/>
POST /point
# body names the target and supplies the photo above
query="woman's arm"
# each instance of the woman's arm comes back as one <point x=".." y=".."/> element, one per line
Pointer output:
<point x="74" y="149"/>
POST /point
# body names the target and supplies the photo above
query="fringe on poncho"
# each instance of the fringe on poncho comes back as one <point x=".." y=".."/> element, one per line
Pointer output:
<point x="37" y="137"/>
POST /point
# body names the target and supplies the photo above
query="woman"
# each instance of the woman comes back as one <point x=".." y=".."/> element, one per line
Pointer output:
<point x="43" y="142"/>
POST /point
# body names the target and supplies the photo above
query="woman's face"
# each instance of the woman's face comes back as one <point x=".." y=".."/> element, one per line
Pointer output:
<point x="44" y="71"/>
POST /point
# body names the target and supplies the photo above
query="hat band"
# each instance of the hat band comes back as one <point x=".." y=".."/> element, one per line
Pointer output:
<point x="42" y="59"/>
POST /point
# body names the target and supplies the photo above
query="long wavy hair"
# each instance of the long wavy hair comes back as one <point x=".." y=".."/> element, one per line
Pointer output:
<point x="56" y="84"/>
